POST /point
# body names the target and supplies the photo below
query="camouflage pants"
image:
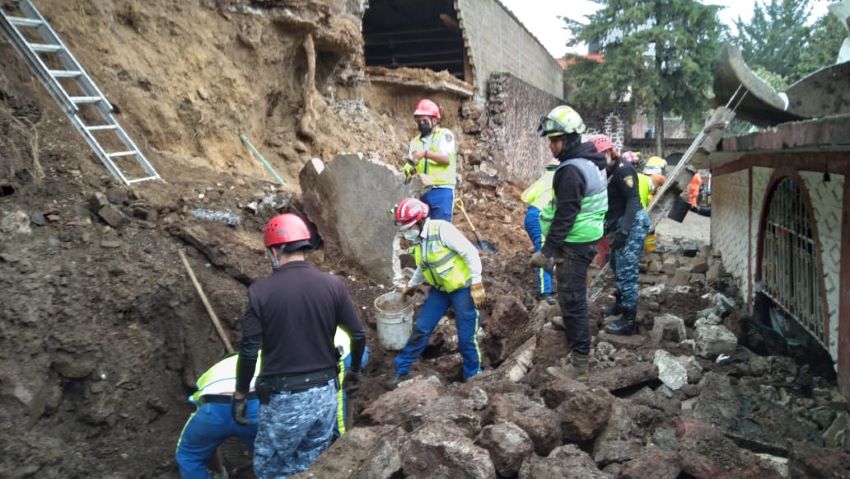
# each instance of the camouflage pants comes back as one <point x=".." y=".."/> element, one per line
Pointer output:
<point x="294" y="429"/>
<point x="626" y="261"/>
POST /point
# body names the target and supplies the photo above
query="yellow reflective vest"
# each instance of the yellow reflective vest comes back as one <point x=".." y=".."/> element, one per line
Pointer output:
<point x="540" y="193"/>
<point x="442" y="267"/>
<point x="644" y="189"/>
<point x="441" y="175"/>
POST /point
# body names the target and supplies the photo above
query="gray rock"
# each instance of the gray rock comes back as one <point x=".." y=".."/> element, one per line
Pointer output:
<point x="117" y="195"/>
<point x="565" y="462"/>
<point x="97" y="201"/>
<point x="440" y="450"/>
<point x="669" y="266"/>
<point x="699" y="265"/>
<point x="837" y="435"/>
<point x="723" y="304"/>
<point x="113" y="216"/>
<point x="670" y="371"/>
<point x="655" y="267"/>
<point x="447" y="408"/>
<point x="668" y="323"/>
<point x="395" y="407"/>
<point x="712" y="341"/>
<point x="15" y="222"/>
<point x="616" y="378"/>
<point x="681" y="277"/>
<point x="508" y="445"/>
<point x="713" y="273"/>
<point x="38" y="219"/>
<point x="584" y="414"/>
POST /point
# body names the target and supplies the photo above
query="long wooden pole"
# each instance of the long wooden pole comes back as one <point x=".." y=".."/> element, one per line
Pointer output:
<point x="210" y="312"/>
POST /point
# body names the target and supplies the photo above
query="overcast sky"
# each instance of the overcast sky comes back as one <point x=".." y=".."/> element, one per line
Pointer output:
<point x="541" y="16"/>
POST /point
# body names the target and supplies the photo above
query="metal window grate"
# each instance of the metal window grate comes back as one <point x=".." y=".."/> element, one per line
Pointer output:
<point x="790" y="269"/>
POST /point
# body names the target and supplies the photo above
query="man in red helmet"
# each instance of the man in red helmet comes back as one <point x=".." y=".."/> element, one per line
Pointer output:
<point x="433" y="155"/>
<point x="293" y="313"/>
<point x="450" y="264"/>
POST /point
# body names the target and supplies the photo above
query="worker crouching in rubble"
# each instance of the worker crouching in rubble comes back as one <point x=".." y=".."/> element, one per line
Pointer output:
<point x="432" y="155"/>
<point x="450" y="264"/>
<point x="537" y="196"/>
<point x="573" y="223"/>
<point x="293" y="314"/>
<point x="626" y="225"/>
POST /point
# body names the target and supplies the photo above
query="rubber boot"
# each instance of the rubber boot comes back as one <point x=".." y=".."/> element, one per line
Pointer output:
<point x="393" y="381"/>
<point x="625" y="326"/>
<point x="576" y="367"/>
<point x="549" y="298"/>
<point x="612" y="309"/>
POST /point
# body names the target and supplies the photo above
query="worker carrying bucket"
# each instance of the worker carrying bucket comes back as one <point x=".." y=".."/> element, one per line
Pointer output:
<point x="450" y="264"/>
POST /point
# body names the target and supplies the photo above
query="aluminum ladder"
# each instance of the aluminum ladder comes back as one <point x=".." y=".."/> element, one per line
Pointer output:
<point x="89" y="110"/>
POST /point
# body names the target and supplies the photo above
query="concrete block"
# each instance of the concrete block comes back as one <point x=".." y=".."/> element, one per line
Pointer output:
<point x="713" y="340"/>
<point x="350" y="199"/>
<point x="681" y="277"/>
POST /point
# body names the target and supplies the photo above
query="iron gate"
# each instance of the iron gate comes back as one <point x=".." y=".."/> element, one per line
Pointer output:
<point x="791" y="274"/>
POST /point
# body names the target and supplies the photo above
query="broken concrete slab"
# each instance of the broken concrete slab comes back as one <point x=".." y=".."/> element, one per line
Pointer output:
<point x="618" y="341"/>
<point x="508" y="445"/>
<point x="442" y="450"/>
<point x="668" y="326"/>
<point x="681" y="277"/>
<point x="713" y="340"/>
<point x="350" y="199"/>
<point x="670" y="371"/>
<point x="113" y="217"/>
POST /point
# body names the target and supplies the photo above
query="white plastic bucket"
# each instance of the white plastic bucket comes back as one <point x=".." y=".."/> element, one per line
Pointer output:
<point x="394" y="325"/>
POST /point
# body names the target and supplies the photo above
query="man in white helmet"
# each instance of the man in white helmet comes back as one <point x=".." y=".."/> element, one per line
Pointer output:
<point x="573" y="223"/>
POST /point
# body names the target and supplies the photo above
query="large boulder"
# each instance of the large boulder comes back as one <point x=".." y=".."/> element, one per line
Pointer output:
<point x="714" y="340"/>
<point x="448" y="408"/>
<point x="541" y="423"/>
<point x="623" y="438"/>
<point x="349" y="199"/>
<point x="583" y="412"/>
<point x="704" y="451"/>
<point x="441" y="450"/>
<point x="396" y="406"/>
<point x="508" y="445"/>
<point x="616" y="378"/>
<point x="653" y="462"/>
<point x="565" y="462"/>
<point x="372" y="449"/>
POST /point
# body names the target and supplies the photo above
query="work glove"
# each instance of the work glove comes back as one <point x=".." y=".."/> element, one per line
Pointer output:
<point x="540" y="260"/>
<point x="351" y="382"/>
<point x="618" y="239"/>
<point x="408" y="291"/>
<point x="238" y="409"/>
<point x="409" y="172"/>
<point x="478" y="294"/>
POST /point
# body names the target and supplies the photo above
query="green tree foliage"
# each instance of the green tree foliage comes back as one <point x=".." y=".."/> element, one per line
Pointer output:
<point x="824" y="43"/>
<point x="658" y="56"/>
<point x="774" y="37"/>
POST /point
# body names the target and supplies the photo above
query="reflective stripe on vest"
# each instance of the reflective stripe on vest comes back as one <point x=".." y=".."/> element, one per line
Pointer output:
<point x="441" y="175"/>
<point x="539" y="194"/>
<point x="644" y="189"/>
<point x="221" y="377"/>
<point x="443" y="268"/>
<point x="590" y="221"/>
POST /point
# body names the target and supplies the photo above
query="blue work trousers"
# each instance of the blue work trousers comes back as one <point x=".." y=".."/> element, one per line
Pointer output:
<point x="294" y="429"/>
<point x="208" y="427"/>
<point x="441" y="202"/>
<point x="625" y="261"/>
<point x="466" y="323"/>
<point x="542" y="278"/>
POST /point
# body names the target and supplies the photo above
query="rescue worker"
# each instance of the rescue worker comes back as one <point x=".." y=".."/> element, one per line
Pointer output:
<point x="626" y="225"/>
<point x="537" y="196"/>
<point x="572" y="223"/>
<point x="450" y="264"/>
<point x="211" y="423"/>
<point x="433" y="155"/>
<point x="293" y="313"/>
<point x="693" y="187"/>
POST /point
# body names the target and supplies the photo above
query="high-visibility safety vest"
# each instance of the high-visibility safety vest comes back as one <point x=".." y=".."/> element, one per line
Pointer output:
<point x="443" y="268"/>
<point x="221" y="378"/>
<point x="644" y="189"/>
<point x="441" y="175"/>
<point x="590" y="221"/>
<point x="539" y="194"/>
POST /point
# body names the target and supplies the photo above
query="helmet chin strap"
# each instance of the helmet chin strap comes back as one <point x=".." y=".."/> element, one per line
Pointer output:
<point x="273" y="258"/>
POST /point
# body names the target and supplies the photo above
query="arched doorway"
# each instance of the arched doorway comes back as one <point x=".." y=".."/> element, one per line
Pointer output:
<point x="789" y="267"/>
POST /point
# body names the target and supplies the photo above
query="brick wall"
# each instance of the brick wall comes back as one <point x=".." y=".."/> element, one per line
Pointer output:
<point x="498" y="42"/>
<point x="515" y="108"/>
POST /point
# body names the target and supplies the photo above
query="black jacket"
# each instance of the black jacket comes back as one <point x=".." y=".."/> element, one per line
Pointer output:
<point x="570" y="188"/>
<point x="623" y="198"/>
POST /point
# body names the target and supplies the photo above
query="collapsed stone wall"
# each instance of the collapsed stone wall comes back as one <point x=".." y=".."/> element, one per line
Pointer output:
<point x="515" y="108"/>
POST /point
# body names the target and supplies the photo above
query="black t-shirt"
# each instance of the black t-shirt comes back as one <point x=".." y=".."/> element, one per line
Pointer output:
<point x="296" y="310"/>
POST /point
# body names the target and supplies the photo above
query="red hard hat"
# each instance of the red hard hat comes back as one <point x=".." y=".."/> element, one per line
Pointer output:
<point x="410" y="211"/>
<point x="602" y="143"/>
<point x="426" y="107"/>
<point x="287" y="229"/>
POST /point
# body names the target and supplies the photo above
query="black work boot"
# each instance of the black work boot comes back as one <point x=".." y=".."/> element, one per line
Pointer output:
<point x="393" y="381"/>
<point x="625" y="326"/>
<point x="576" y="367"/>
<point x="612" y="309"/>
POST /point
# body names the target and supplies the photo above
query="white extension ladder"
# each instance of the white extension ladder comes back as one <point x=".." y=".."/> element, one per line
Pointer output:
<point x="32" y="37"/>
